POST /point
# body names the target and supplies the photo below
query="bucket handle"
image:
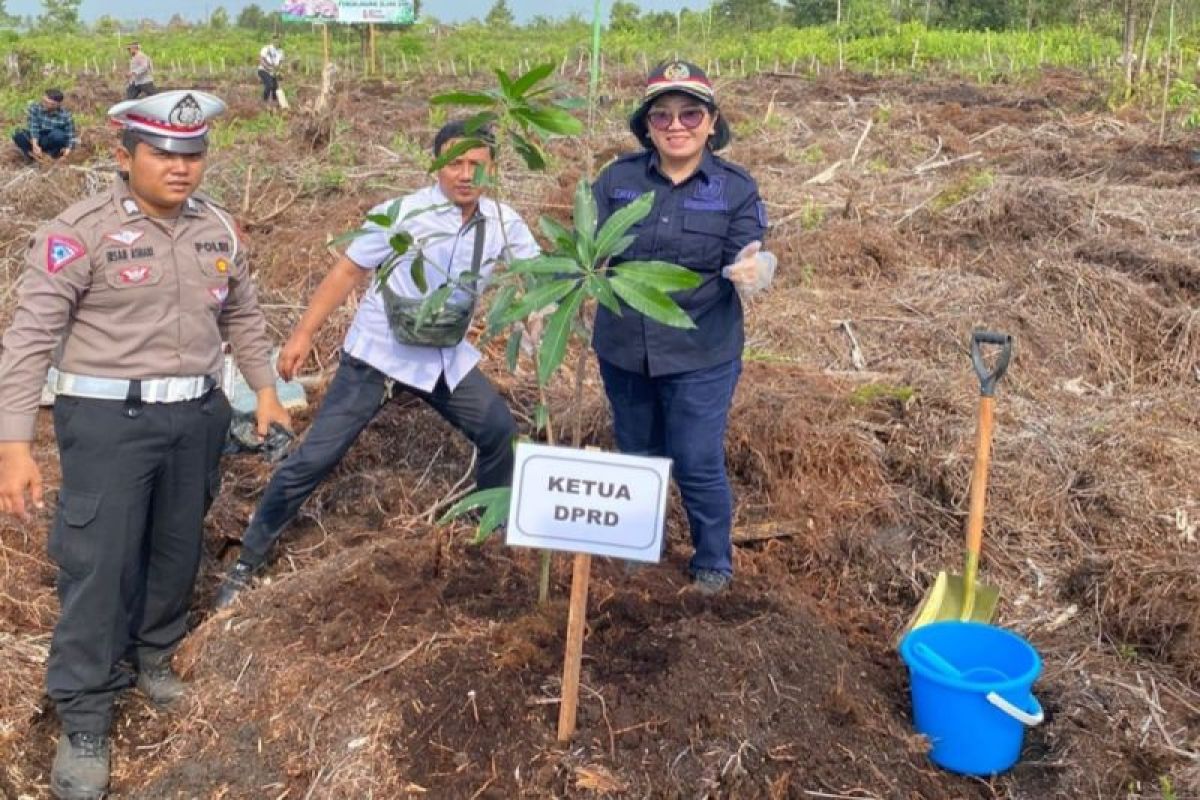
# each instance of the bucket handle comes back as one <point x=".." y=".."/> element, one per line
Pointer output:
<point x="1024" y="717"/>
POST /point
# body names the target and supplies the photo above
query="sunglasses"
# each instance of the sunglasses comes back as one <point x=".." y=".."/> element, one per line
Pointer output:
<point x="690" y="118"/>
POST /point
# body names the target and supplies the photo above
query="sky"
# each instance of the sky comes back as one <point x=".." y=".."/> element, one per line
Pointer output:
<point x="444" y="10"/>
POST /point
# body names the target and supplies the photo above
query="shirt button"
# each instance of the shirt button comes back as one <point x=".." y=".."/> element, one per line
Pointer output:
<point x="665" y="220"/>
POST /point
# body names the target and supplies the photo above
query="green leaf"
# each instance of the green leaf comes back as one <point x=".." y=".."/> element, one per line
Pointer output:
<point x="401" y="242"/>
<point x="480" y="120"/>
<point x="651" y="302"/>
<point x="382" y="220"/>
<point x="512" y="351"/>
<point x="562" y="236"/>
<point x="538" y="299"/>
<point x="544" y="265"/>
<point x="619" y="224"/>
<point x="556" y="336"/>
<point x="535" y="75"/>
<point x="500" y="304"/>
<point x="623" y="244"/>
<point x="432" y="305"/>
<point x="495" y="503"/>
<point x="529" y="152"/>
<point x="454" y="151"/>
<point x="585" y="220"/>
<point x="659" y="275"/>
<point x="541" y="416"/>
<point x="506" y="84"/>
<point x="393" y="211"/>
<point x="463" y="99"/>
<point x="349" y="236"/>
<point x="597" y="287"/>
<point x="549" y="121"/>
<point x="482" y="177"/>
<point x="571" y="103"/>
<point x="495" y="516"/>
<point x="417" y="272"/>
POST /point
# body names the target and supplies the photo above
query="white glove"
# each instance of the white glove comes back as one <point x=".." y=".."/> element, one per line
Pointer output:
<point x="752" y="270"/>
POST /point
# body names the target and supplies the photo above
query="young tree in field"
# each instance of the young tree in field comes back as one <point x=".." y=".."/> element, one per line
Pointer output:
<point x="743" y="15"/>
<point x="251" y="17"/>
<point x="623" y="16"/>
<point x="7" y="20"/>
<point x="814" y="12"/>
<point x="177" y="23"/>
<point x="60" y="15"/>
<point x="499" y="16"/>
<point x="219" y="19"/>
<point x="108" y="25"/>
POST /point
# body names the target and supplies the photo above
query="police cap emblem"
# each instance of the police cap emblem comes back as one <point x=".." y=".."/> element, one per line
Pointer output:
<point x="676" y="71"/>
<point x="186" y="113"/>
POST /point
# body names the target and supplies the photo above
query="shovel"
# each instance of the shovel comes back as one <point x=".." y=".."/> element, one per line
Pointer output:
<point x="961" y="597"/>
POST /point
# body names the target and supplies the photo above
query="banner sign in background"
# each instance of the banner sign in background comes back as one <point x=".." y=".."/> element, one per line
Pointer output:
<point x="381" y="12"/>
<point x="588" y="501"/>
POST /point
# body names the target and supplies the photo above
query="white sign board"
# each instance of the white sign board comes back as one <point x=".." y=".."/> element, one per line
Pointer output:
<point x="588" y="501"/>
<point x="399" y="12"/>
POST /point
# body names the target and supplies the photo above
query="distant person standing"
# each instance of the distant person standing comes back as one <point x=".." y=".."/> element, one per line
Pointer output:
<point x="141" y="74"/>
<point x="51" y="130"/>
<point x="270" y="59"/>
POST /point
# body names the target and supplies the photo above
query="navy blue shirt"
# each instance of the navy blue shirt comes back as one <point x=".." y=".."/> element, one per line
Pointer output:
<point x="700" y="224"/>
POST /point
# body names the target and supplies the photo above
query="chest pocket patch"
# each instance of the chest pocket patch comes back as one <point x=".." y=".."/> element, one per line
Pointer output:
<point x="132" y="275"/>
<point x="708" y="196"/>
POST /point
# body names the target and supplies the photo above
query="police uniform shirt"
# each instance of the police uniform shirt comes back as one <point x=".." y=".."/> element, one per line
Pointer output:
<point x="448" y="247"/>
<point x="700" y="224"/>
<point x="130" y="297"/>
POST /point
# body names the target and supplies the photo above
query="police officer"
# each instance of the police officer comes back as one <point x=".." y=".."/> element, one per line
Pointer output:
<point x="671" y="389"/>
<point x="136" y="288"/>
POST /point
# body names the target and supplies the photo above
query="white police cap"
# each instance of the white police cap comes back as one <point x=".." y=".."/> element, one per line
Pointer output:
<point x="175" y="121"/>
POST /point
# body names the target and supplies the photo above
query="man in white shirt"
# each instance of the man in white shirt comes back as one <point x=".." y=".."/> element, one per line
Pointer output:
<point x="141" y="74"/>
<point x="270" y="58"/>
<point x="450" y="217"/>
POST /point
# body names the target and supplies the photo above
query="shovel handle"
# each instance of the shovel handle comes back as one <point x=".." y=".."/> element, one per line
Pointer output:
<point x="979" y="479"/>
<point x="989" y="378"/>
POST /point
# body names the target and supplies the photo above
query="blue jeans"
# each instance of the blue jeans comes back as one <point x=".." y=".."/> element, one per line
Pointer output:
<point x="683" y="417"/>
<point x="52" y="143"/>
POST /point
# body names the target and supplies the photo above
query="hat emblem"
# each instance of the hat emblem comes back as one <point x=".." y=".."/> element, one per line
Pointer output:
<point x="677" y="72"/>
<point x="186" y="113"/>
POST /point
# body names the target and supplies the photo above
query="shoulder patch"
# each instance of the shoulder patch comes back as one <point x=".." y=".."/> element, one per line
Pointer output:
<point x="734" y="168"/>
<point x="83" y="208"/>
<point x="761" y="207"/>
<point x="61" y="251"/>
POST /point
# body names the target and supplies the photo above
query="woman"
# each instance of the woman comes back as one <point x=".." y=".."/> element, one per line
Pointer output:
<point x="671" y="389"/>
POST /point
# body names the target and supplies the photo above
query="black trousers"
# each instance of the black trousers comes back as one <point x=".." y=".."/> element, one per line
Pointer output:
<point x="270" y="84"/>
<point x="354" y="398"/>
<point x="127" y="540"/>
<point x="135" y="90"/>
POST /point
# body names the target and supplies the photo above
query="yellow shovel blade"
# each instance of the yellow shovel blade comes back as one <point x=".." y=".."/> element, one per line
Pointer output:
<point x="947" y="600"/>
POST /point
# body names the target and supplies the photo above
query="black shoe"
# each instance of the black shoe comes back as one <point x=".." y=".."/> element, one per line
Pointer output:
<point x="232" y="584"/>
<point x="80" y="770"/>
<point x="159" y="683"/>
<point x="710" y="582"/>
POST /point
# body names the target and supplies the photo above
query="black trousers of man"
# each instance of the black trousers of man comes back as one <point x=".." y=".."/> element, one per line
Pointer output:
<point x="270" y="84"/>
<point x="355" y="396"/>
<point x="137" y="482"/>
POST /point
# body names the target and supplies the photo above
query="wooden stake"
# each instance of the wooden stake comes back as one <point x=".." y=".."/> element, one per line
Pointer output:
<point x="371" y="47"/>
<point x="576" y="622"/>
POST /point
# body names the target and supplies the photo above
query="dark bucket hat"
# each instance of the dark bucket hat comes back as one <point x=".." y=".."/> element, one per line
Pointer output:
<point x="689" y="79"/>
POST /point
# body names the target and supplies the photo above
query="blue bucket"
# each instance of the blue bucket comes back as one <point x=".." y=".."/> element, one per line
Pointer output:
<point x="971" y="693"/>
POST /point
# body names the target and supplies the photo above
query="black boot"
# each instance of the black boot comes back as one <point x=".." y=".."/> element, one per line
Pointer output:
<point x="159" y="682"/>
<point x="80" y="770"/>
<point x="232" y="584"/>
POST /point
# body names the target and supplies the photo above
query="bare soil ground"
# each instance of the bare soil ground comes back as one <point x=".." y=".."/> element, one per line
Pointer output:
<point x="385" y="657"/>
